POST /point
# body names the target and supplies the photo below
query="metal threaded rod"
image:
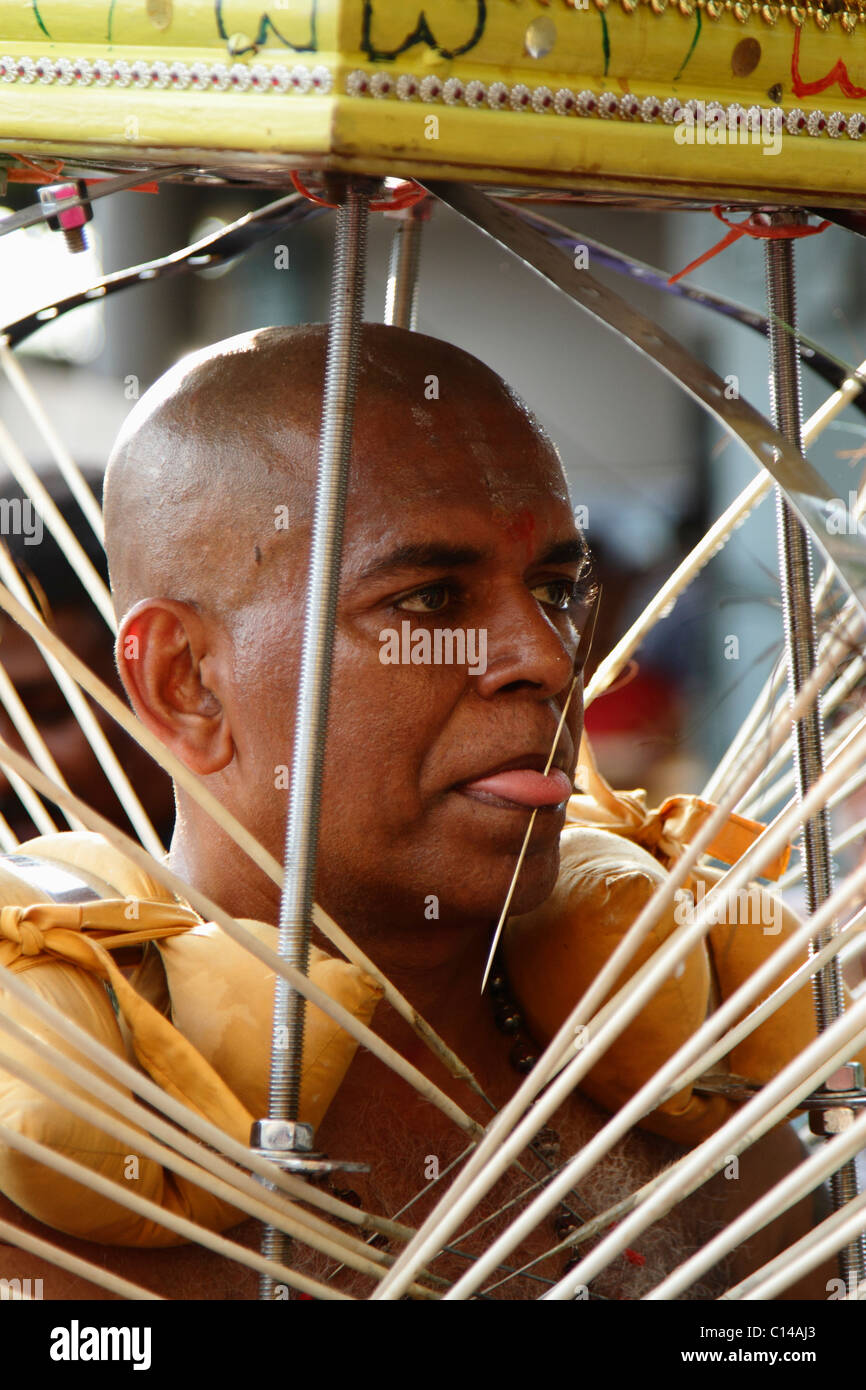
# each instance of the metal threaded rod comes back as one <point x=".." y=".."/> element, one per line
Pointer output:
<point x="795" y="572"/>
<point x="311" y="710"/>
<point x="401" y="297"/>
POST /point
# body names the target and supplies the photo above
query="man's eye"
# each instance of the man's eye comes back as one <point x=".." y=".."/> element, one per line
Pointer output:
<point x="557" y="593"/>
<point x="428" y="600"/>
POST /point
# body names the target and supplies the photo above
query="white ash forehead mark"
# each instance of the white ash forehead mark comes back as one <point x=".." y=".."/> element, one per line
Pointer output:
<point x="424" y="419"/>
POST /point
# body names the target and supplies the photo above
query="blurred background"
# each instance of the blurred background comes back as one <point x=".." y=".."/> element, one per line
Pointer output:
<point x="649" y="470"/>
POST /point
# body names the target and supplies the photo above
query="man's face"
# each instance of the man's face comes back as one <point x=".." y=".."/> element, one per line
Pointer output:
<point x="472" y="533"/>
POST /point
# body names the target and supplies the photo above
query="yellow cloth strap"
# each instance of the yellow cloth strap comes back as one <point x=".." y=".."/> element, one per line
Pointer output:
<point x="82" y="935"/>
<point x="665" y="831"/>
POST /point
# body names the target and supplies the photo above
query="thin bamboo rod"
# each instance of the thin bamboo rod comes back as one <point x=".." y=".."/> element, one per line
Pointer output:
<point x="185" y="1118"/>
<point x="237" y="1188"/>
<point x="840" y="1229"/>
<point x="44" y="1250"/>
<point x="647" y="1097"/>
<point x="41" y="1153"/>
<point x="795" y="1081"/>
<point x="9" y="841"/>
<point x="242" y="837"/>
<point x="502" y="1136"/>
<point x="643" y="1101"/>
<point x="833" y="406"/>
<point x="780" y="1198"/>
<point x="66" y="465"/>
<point x="30" y="482"/>
<point x="30" y="736"/>
<point x="760" y="802"/>
<point x="90" y="726"/>
<point x="759" y="1015"/>
<point x="709" y="545"/>
<point x="837" y="691"/>
<point x="662" y="604"/>
<point x="31" y="803"/>
<point x="210" y="911"/>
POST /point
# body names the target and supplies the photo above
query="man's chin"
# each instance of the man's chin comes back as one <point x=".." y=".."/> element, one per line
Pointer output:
<point x="481" y="892"/>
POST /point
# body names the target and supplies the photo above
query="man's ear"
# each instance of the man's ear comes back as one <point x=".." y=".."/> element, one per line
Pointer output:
<point x="166" y="663"/>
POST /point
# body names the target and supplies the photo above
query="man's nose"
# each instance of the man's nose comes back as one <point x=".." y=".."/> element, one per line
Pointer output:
<point x="524" y="648"/>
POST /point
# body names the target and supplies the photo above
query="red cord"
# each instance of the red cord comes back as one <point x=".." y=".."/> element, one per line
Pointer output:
<point x="406" y="195"/>
<point x="748" y="227"/>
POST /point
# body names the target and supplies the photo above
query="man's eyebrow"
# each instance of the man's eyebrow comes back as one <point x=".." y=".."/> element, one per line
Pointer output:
<point x="427" y="555"/>
<point x="569" y="552"/>
<point x="434" y="555"/>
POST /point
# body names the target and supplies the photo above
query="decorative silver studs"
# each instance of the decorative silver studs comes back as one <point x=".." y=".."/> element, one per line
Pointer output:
<point x="407" y="87"/>
<point x="497" y="95"/>
<point x="453" y="91"/>
<point x="357" y="83"/>
<point x="542" y="100"/>
<point x="381" y="84"/>
<point x="431" y="88"/>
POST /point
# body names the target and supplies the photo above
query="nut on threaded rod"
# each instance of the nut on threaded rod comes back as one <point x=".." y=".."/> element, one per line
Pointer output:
<point x="68" y="220"/>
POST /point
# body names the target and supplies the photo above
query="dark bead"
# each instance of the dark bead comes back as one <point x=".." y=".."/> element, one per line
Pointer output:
<point x="547" y="1143"/>
<point x="498" y="983"/>
<point x="347" y="1195"/>
<point x="508" y="1019"/>
<point x="522" y="1057"/>
<point x="564" y="1225"/>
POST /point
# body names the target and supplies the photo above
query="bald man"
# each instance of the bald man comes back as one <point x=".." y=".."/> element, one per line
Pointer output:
<point x="458" y="516"/>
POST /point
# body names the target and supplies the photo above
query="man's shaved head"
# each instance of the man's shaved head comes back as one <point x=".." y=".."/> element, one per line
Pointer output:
<point x="230" y="434"/>
<point x="457" y="518"/>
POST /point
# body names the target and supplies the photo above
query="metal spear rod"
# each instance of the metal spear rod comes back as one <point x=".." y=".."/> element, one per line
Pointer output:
<point x="281" y="1136"/>
<point x="795" y="570"/>
<point x="401" y="295"/>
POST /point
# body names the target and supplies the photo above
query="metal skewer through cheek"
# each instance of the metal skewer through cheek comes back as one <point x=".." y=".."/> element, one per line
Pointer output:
<point x="579" y="663"/>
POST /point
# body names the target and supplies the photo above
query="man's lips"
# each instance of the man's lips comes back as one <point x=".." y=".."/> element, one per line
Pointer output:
<point x="522" y="786"/>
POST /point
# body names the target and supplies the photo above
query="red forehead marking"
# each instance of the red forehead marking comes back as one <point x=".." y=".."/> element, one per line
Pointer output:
<point x="519" y="526"/>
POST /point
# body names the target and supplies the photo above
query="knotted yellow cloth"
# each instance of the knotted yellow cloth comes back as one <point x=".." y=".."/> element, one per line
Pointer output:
<point x="665" y="831"/>
<point x="211" y="1054"/>
<point x="31" y="935"/>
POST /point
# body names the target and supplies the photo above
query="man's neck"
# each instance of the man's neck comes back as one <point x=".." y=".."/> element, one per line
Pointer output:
<point x="432" y="967"/>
